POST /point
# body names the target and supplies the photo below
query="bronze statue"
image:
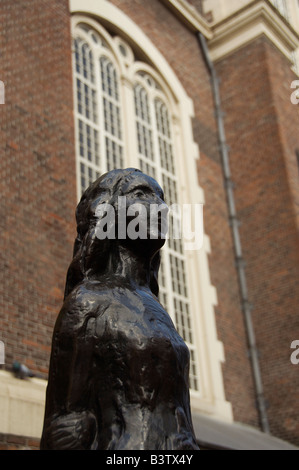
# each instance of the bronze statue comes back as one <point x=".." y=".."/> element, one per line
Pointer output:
<point x="118" y="377"/>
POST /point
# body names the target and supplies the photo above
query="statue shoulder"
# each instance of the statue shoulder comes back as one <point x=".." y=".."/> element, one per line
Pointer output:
<point x="84" y="302"/>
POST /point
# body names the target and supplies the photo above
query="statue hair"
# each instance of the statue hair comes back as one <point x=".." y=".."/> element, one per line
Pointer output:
<point x="90" y="255"/>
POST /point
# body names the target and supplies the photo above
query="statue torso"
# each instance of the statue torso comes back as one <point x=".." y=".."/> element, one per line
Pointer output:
<point x="138" y="366"/>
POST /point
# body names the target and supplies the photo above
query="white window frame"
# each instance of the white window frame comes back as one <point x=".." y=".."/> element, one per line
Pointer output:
<point x="203" y="297"/>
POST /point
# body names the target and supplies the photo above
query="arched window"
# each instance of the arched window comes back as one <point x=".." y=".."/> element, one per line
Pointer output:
<point x="130" y="113"/>
<point x="100" y="112"/>
<point x="98" y="107"/>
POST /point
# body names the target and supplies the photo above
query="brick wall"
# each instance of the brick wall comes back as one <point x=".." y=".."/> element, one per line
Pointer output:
<point x="38" y="185"/>
<point x="262" y="130"/>
<point x="38" y="181"/>
<point x="37" y="167"/>
<point x="10" y="442"/>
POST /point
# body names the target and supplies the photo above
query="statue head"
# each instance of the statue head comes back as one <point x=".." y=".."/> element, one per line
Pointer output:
<point x="131" y="189"/>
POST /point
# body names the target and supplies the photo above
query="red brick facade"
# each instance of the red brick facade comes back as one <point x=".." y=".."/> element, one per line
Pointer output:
<point x="262" y="131"/>
<point x="10" y="442"/>
<point x="38" y="188"/>
<point x="38" y="185"/>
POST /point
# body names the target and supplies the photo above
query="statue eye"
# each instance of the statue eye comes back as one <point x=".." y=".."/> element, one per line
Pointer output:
<point x="140" y="192"/>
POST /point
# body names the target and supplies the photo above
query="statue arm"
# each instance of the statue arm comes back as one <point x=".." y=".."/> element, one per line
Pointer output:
<point x="71" y="423"/>
<point x="79" y="387"/>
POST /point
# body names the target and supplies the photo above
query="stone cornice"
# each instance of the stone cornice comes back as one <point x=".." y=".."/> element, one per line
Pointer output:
<point x="256" y="19"/>
<point x="189" y="16"/>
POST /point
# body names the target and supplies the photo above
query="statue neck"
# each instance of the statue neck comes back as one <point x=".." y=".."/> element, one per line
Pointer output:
<point x="133" y="268"/>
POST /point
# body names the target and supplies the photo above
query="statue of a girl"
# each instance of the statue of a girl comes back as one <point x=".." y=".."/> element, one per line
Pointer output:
<point x="118" y="377"/>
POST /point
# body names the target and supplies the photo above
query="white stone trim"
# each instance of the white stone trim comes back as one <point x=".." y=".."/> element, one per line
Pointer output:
<point x="22" y="405"/>
<point x="190" y="16"/>
<point x="202" y="293"/>
<point x="257" y="19"/>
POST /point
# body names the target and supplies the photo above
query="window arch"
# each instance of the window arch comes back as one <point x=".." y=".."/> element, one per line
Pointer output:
<point x="155" y="123"/>
<point x="100" y="111"/>
<point x="98" y="107"/>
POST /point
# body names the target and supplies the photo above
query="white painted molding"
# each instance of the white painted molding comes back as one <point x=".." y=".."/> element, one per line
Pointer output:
<point x="106" y="12"/>
<point x="190" y="16"/>
<point x="22" y="405"/>
<point x="249" y="23"/>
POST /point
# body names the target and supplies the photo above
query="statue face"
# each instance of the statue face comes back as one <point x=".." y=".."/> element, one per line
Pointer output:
<point x="135" y="215"/>
<point x="146" y="211"/>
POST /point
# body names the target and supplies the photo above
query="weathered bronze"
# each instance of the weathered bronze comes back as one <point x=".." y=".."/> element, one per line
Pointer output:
<point x="118" y="377"/>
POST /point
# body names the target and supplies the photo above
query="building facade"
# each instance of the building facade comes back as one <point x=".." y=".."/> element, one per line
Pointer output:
<point x="201" y="95"/>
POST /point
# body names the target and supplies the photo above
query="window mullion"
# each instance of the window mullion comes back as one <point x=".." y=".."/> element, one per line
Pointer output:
<point x="130" y="130"/>
<point x="77" y="144"/>
<point x="155" y="138"/>
<point x="100" y="104"/>
<point x="165" y="258"/>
